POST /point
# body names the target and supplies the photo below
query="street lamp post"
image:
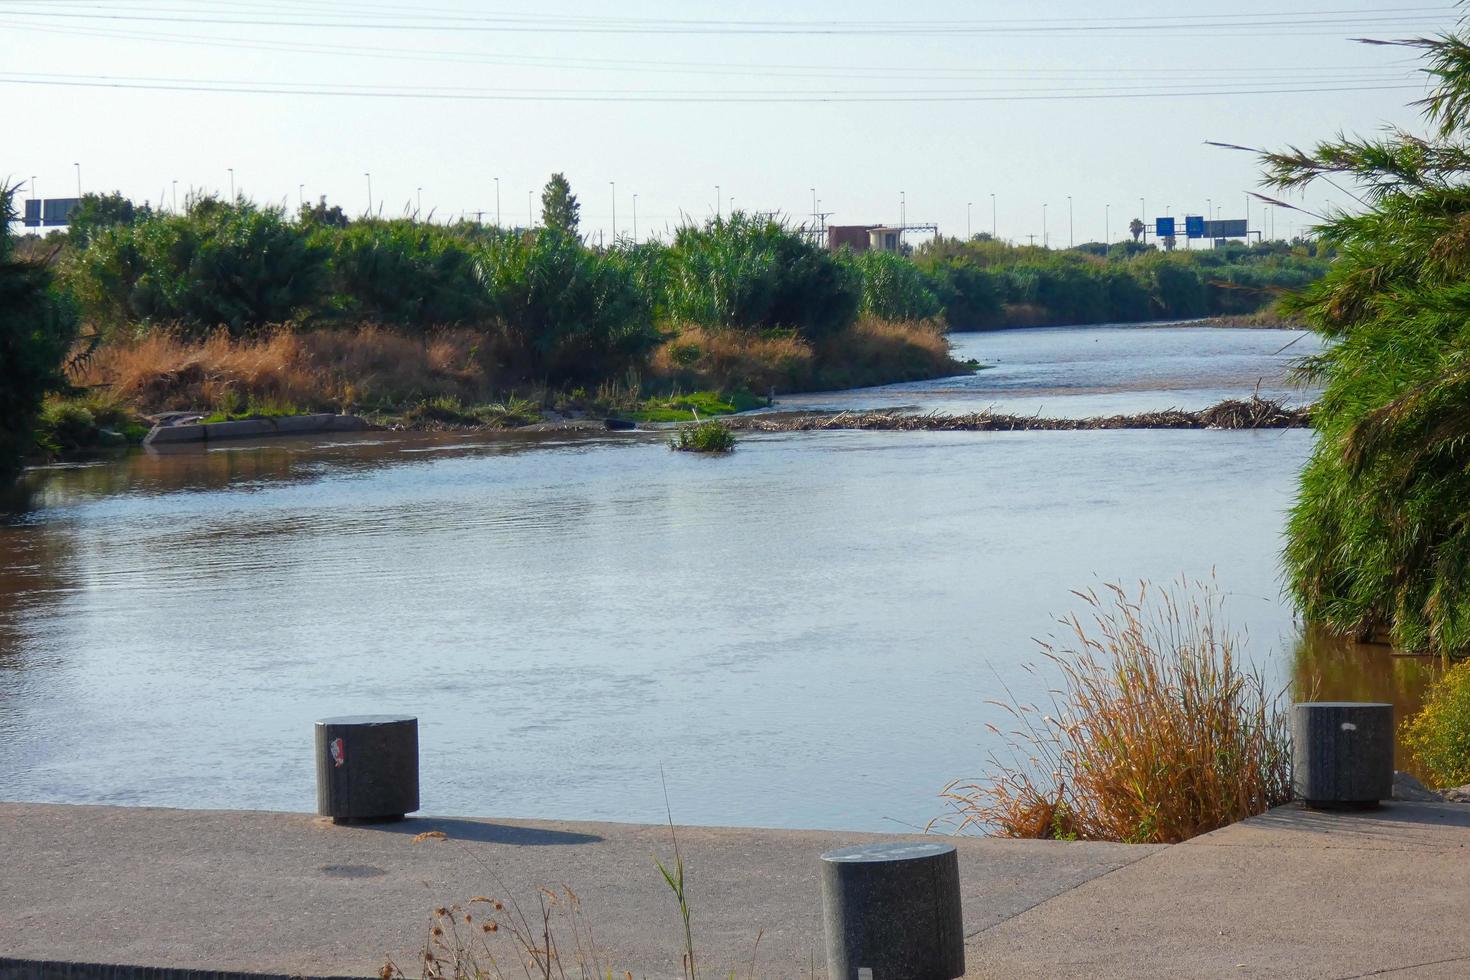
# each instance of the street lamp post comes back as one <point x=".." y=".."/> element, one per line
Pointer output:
<point x="968" y="234"/>
<point x="497" y="202"/>
<point x="1045" y="242"/>
<point x="635" y="219"/>
<point x="1107" y="224"/>
<point x="530" y="215"/>
<point x="232" y="184"/>
<point x="301" y="195"/>
<point x="1070" y="242"/>
<point x="614" y="185"/>
<point x="79" y="178"/>
<point x="176" y="196"/>
<point x="903" y="211"/>
<point x="421" y="200"/>
<point x="993" y="232"/>
<point x="719" y="203"/>
<point x="370" y="192"/>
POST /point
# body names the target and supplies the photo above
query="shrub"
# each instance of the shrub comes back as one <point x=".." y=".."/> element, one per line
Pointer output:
<point x="37" y="329"/>
<point x="1156" y="736"/>
<point x="754" y="274"/>
<point x="570" y="314"/>
<point x="404" y="273"/>
<point x="704" y="437"/>
<point x="1439" y="734"/>
<point x="1378" y="540"/>
<point x="237" y="266"/>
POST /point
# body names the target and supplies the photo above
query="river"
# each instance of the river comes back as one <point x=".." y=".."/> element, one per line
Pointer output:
<point x="804" y="634"/>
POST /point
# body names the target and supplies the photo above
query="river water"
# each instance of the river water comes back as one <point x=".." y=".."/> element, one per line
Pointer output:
<point x="803" y="634"/>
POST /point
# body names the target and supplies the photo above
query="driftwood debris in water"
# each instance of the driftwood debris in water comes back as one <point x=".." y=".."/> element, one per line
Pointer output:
<point x="1242" y="413"/>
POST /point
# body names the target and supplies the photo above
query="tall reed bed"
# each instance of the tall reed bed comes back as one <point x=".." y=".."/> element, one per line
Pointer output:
<point x="1157" y="733"/>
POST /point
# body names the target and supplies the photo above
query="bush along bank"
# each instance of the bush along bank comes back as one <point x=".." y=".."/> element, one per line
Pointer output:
<point x="1378" y="542"/>
<point x="235" y="309"/>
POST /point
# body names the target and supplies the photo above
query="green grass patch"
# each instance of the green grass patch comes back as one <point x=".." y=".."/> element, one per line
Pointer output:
<point x="230" y="409"/>
<point x="702" y="404"/>
<point x="706" y="437"/>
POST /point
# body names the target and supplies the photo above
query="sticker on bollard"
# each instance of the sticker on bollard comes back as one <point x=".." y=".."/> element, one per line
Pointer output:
<point x="892" y="911"/>
<point x="367" y="767"/>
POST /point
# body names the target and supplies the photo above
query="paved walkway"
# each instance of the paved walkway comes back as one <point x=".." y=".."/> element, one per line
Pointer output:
<point x="1287" y="894"/>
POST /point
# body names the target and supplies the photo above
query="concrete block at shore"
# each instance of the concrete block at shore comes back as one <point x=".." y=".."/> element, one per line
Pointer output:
<point x="1342" y="754"/>
<point x="367" y="767"/>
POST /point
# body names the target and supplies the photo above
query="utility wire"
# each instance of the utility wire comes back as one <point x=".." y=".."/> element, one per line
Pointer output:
<point x="602" y="96"/>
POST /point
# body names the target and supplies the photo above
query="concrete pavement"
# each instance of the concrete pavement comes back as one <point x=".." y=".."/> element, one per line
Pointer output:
<point x="1288" y="894"/>
<point x="289" y="894"/>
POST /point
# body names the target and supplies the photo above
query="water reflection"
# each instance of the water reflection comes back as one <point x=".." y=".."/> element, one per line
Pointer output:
<point x="1334" y="668"/>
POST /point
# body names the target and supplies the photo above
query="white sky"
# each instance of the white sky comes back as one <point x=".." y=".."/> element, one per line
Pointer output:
<point x="942" y="151"/>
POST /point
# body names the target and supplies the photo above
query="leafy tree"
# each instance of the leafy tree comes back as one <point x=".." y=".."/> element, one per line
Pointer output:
<point x="37" y="329"/>
<point x="1135" y="228"/>
<point x="1379" y="540"/>
<point x="96" y="211"/>
<point x="321" y="216"/>
<point x="559" y="206"/>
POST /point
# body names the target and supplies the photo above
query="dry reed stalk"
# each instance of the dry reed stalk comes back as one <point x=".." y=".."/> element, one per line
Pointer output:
<point x="1157" y="734"/>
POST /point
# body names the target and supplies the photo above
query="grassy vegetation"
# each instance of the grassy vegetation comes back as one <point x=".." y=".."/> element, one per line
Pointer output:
<point x="1439" y="734"/>
<point x="1378" y="542"/>
<point x="1158" y="733"/>
<point x="715" y="438"/>
<point x="681" y="408"/>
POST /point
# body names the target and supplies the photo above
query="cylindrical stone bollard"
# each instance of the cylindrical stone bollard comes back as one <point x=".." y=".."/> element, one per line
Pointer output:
<point x="894" y="909"/>
<point x="1342" y="754"/>
<point x="367" y="767"/>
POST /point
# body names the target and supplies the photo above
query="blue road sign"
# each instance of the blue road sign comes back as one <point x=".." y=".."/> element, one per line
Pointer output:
<point x="1194" y="225"/>
<point x="33" y="213"/>
<point x="1164" y="227"/>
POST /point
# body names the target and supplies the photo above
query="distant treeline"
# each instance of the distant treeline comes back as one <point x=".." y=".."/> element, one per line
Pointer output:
<point x="243" y="266"/>
<point x="984" y="283"/>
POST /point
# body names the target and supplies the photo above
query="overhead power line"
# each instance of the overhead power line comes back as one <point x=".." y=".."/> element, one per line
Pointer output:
<point x="400" y="53"/>
<point x="237" y="86"/>
<point x="409" y="19"/>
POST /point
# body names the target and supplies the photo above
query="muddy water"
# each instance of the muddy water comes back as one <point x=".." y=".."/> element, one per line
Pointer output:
<point x="803" y="634"/>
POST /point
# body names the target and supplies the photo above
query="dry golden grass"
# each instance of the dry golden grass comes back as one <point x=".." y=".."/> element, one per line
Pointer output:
<point x="871" y="351"/>
<point x="368" y="366"/>
<point x="1157" y="735"/>
<point x="724" y="360"/>
<point x="874" y="351"/>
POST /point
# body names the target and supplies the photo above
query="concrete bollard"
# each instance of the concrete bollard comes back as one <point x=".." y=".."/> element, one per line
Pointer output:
<point x="367" y="767"/>
<point x="892" y="911"/>
<point x="1342" y="754"/>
